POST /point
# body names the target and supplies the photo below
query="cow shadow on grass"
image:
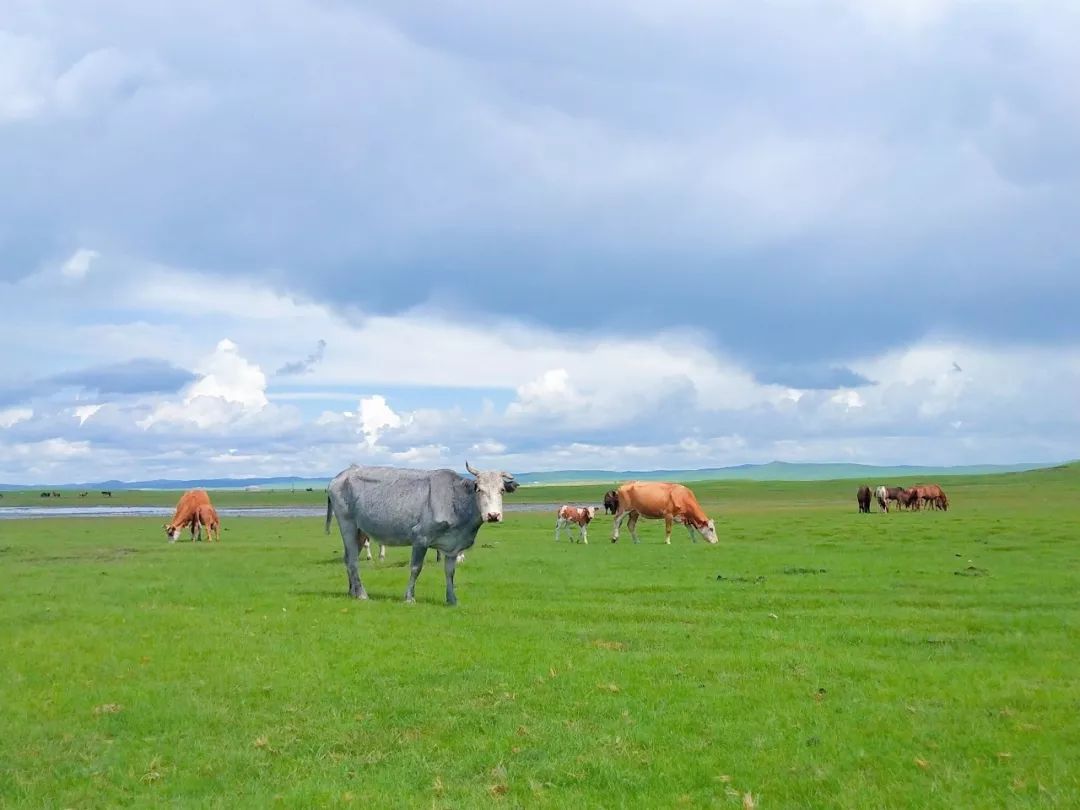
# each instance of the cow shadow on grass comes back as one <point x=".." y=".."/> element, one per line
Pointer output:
<point x="343" y="597"/>
<point x="375" y="564"/>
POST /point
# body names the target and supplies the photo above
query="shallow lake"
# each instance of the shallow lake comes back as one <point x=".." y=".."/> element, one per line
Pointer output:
<point x="28" y="512"/>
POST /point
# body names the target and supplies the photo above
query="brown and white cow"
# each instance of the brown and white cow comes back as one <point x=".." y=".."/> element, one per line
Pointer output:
<point x="674" y="503"/>
<point x="186" y="513"/>
<point x="575" y="516"/>
<point x="207" y="517"/>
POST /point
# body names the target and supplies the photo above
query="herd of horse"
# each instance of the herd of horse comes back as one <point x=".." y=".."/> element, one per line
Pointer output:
<point x="919" y="497"/>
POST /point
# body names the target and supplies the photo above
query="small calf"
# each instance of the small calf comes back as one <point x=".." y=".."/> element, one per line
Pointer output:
<point x="574" y="515"/>
<point x="206" y="516"/>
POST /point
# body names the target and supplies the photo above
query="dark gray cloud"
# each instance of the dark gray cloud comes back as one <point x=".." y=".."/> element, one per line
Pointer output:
<point x="724" y="168"/>
<point x="139" y="376"/>
<point x="307" y="364"/>
<point x="811" y="376"/>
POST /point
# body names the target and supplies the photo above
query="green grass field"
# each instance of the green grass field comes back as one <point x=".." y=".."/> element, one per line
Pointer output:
<point x="816" y="657"/>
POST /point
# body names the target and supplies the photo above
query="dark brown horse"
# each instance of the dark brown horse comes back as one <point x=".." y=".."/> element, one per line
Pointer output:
<point x="863" y="497"/>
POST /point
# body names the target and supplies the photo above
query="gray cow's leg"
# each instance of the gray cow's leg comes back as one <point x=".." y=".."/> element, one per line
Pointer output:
<point x="418" y="554"/>
<point x="449" y="564"/>
<point x="350" y="537"/>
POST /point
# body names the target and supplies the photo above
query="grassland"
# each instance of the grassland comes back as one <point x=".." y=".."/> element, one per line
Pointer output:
<point x="814" y="658"/>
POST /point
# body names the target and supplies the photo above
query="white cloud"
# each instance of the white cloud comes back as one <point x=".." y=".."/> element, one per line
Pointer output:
<point x="847" y="399"/>
<point x="12" y="416"/>
<point x="228" y="388"/>
<point x="649" y="400"/>
<point x="375" y="417"/>
<point x="84" y="412"/>
<point x="78" y="265"/>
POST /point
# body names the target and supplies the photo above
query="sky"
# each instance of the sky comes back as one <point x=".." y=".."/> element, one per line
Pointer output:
<point x="281" y="237"/>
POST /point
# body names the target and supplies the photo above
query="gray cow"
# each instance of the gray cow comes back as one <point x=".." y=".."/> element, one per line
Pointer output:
<point x="424" y="509"/>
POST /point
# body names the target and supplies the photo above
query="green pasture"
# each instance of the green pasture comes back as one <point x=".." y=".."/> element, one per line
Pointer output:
<point x="814" y="658"/>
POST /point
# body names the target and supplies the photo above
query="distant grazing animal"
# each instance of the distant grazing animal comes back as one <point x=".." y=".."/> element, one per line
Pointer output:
<point x="575" y="516"/>
<point x="207" y="518"/>
<point x="107" y="493"/>
<point x="46" y="494"/>
<point x="892" y="494"/>
<point x="881" y="495"/>
<point x="611" y="502"/>
<point x="863" y="497"/>
<point x="55" y="494"/>
<point x="83" y="494"/>
<point x="186" y="513"/>
<point x="423" y="509"/>
<point x="908" y="498"/>
<point x="657" y="499"/>
<point x="932" y="496"/>
<point x="309" y="489"/>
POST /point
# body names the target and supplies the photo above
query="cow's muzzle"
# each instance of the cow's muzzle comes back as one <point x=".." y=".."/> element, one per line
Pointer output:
<point x="494" y="517"/>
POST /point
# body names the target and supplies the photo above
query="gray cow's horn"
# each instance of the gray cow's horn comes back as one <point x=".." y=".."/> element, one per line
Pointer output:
<point x="470" y="469"/>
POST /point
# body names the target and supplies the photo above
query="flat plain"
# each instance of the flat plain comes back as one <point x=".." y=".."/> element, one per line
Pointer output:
<point x="815" y="657"/>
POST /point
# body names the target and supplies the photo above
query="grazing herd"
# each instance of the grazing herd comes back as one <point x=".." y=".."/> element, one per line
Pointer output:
<point x="443" y="510"/>
<point x="919" y="497"/>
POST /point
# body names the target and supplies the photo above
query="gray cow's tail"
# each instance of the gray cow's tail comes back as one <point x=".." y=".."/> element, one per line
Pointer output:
<point x="329" y="513"/>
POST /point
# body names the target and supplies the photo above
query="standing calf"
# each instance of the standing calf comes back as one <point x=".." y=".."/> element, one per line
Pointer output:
<point x="575" y="516"/>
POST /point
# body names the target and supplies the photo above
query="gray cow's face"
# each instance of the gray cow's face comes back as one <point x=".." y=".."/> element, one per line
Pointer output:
<point x="490" y="486"/>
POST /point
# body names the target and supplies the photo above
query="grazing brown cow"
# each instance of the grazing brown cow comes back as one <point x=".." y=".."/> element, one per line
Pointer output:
<point x="931" y="496"/>
<point x="908" y="498"/>
<point x="611" y="501"/>
<point x="863" y="497"/>
<point x="207" y="517"/>
<point x="657" y="499"/>
<point x="186" y="513"/>
<point x="576" y="516"/>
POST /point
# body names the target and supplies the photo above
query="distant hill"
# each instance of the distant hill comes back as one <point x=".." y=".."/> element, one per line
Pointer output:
<point x="773" y="471"/>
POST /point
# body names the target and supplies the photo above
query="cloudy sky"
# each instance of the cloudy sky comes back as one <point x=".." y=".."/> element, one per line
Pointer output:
<point x="279" y="237"/>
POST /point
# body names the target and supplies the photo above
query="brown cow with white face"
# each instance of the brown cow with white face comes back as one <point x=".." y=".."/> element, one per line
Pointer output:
<point x="575" y="516"/>
<point x="674" y="503"/>
<point x="187" y="513"/>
